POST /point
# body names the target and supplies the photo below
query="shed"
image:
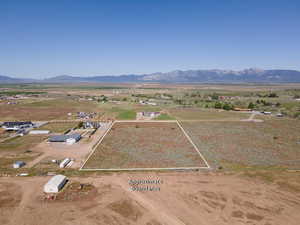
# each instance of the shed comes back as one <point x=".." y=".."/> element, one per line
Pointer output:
<point x="39" y="132"/>
<point x="64" y="163"/>
<point x="55" y="184"/>
<point x="18" y="164"/>
<point x="72" y="138"/>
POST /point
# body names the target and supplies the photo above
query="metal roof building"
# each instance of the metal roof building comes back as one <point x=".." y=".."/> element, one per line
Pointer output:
<point x="55" y="184"/>
<point x="64" y="138"/>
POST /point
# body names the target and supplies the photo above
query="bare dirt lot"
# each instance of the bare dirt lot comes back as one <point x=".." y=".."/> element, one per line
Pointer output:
<point x="144" y="145"/>
<point x="77" y="151"/>
<point x="182" y="199"/>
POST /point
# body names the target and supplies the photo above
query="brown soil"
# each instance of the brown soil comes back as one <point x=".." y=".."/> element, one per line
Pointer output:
<point x="194" y="198"/>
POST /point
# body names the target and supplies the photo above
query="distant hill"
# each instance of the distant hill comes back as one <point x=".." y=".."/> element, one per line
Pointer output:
<point x="8" y="80"/>
<point x="179" y="76"/>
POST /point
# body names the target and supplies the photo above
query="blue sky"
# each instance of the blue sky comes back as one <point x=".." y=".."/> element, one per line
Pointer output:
<point x="48" y="38"/>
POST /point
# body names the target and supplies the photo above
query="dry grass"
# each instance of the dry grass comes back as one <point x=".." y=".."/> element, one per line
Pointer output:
<point x="205" y="114"/>
<point x="46" y="109"/>
<point x="144" y="145"/>
<point x="58" y="127"/>
<point x="19" y="144"/>
<point x="271" y="143"/>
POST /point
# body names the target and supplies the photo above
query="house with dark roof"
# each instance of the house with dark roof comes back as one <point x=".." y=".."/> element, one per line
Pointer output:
<point x="17" y="125"/>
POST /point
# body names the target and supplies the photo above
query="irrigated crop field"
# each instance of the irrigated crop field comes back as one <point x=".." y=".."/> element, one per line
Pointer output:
<point x="131" y="145"/>
<point x="270" y="143"/>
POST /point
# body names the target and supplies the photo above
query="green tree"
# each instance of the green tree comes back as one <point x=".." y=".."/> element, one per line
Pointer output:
<point x="251" y="105"/>
<point x="227" y="106"/>
<point x="215" y="96"/>
<point x="218" y="105"/>
<point x="273" y="95"/>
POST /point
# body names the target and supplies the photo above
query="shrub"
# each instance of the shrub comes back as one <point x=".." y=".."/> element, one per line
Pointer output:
<point x="218" y="105"/>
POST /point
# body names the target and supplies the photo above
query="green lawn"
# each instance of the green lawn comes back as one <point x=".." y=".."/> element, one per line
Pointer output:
<point x="164" y="116"/>
<point x="127" y="115"/>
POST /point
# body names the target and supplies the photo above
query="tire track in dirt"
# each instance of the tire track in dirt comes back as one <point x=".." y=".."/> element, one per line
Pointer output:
<point x="156" y="209"/>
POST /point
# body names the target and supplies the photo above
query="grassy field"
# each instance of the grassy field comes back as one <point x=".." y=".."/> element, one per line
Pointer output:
<point x="242" y="144"/>
<point x="203" y="114"/>
<point x="7" y="161"/>
<point x="46" y="109"/>
<point x="126" y="115"/>
<point x="20" y="144"/>
<point x="58" y="127"/>
<point x="164" y="116"/>
<point x="144" y="145"/>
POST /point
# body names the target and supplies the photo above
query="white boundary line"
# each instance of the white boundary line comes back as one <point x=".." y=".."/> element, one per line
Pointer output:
<point x="95" y="147"/>
<point x="144" y="169"/>
<point x="150" y="169"/>
<point x="188" y="137"/>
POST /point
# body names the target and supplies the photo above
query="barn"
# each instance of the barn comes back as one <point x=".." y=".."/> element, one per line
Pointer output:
<point x="55" y="184"/>
<point x="39" y="132"/>
<point x="70" y="139"/>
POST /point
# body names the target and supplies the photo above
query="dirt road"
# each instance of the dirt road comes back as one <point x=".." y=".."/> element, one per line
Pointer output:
<point x="190" y="198"/>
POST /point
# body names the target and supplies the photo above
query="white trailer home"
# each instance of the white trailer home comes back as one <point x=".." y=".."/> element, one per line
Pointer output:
<point x="55" y="184"/>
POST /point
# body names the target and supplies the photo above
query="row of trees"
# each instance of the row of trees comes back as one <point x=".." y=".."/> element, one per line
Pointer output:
<point x="225" y="106"/>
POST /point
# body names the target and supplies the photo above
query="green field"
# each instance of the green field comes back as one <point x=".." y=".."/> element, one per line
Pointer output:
<point x="164" y="116"/>
<point x="126" y="115"/>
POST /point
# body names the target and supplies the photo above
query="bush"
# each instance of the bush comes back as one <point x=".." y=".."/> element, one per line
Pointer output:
<point x="227" y="106"/>
<point x="251" y="105"/>
<point x="218" y="105"/>
<point x="273" y="95"/>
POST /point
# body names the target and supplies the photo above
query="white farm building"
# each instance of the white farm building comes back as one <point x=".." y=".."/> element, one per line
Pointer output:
<point x="39" y="132"/>
<point x="55" y="184"/>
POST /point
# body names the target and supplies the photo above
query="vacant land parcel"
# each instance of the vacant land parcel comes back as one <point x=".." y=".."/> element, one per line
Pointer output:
<point x="145" y="145"/>
<point x="235" y="143"/>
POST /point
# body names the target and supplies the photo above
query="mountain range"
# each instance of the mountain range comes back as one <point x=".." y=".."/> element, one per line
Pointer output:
<point x="178" y="76"/>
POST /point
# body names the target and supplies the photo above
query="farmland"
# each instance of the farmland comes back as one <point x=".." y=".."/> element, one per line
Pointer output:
<point x="232" y="143"/>
<point x="49" y="109"/>
<point x="253" y="158"/>
<point x="205" y="114"/>
<point x="144" y="145"/>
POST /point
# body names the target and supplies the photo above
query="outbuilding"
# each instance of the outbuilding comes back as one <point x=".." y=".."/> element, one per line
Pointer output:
<point x="69" y="139"/>
<point x="18" y="164"/>
<point x="39" y="132"/>
<point x="64" y="163"/>
<point x="55" y="184"/>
